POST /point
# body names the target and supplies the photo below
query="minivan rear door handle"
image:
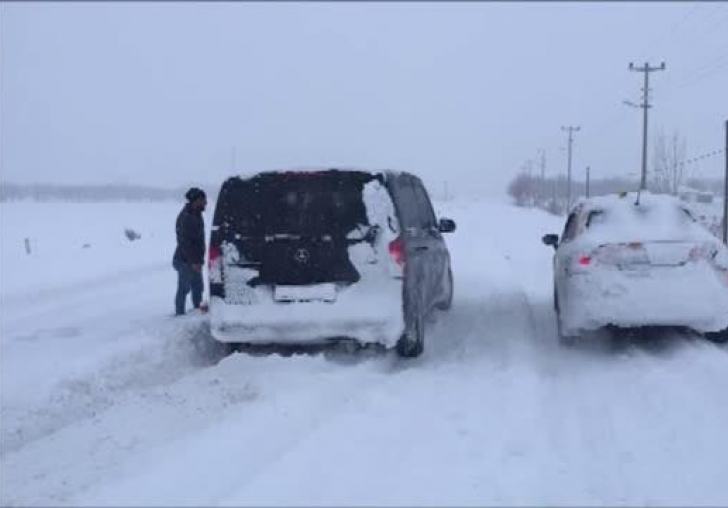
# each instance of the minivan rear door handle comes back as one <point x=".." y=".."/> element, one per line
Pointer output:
<point x="422" y="248"/>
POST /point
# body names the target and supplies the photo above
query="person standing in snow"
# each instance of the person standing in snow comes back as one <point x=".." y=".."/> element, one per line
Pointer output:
<point x="190" y="253"/>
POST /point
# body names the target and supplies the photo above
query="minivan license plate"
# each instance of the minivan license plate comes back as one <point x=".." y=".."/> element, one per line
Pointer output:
<point x="315" y="293"/>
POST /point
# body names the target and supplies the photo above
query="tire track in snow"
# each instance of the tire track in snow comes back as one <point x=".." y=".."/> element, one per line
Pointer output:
<point x="471" y="345"/>
<point x="438" y="415"/>
<point x="346" y="401"/>
<point x="167" y="354"/>
<point x="584" y="413"/>
<point x="572" y="430"/>
<point x="66" y="360"/>
<point x="257" y="432"/>
<point x="83" y="453"/>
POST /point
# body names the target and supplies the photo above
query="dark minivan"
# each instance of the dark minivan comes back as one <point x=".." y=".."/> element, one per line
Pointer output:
<point x="313" y="256"/>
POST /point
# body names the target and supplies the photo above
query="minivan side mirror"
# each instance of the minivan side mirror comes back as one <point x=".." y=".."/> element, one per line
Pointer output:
<point x="552" y="240"/>
<point x="447" y="226"/>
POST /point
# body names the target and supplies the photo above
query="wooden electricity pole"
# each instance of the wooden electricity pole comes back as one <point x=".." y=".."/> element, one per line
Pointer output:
<point x="588" y="181"/>
<point x="571" y="130"/>
<point x="725" y="193"/>
<point x="646" y="69"/>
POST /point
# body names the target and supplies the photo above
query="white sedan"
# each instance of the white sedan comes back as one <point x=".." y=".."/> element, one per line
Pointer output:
<point x="632" y="261"/>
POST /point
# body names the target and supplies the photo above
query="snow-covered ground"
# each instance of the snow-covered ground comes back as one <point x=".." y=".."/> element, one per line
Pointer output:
<point x="106" y="399"/>
<point x="72" y="244"/>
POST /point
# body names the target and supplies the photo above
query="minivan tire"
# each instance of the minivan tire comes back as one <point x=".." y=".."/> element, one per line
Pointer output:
<point x="718" y="337"/>
<point x="412" y="342"/>
<point x="447" y="303"/>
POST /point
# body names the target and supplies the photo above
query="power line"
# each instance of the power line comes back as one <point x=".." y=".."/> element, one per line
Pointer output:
<point x="673" y="31"/>
<point x="692" y="20"/>
<point x="698" y="73"/>
<point x="702" y="157"/>
<point x="699" y="76"/>
<point x="704" y="25"/>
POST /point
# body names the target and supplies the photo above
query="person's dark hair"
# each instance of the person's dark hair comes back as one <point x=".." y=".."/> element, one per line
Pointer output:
<point x="194" y="194"/>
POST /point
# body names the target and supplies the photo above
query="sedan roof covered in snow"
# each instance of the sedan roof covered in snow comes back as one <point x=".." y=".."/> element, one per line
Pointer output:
<point x="624" y="218"/>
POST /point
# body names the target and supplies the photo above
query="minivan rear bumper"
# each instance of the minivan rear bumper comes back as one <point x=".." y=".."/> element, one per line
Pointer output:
<point x="377" y="321"/>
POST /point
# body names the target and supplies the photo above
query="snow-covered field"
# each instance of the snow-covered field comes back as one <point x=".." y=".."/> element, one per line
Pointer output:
<point x="73" y="244"/>
<point x="108" y="400"/>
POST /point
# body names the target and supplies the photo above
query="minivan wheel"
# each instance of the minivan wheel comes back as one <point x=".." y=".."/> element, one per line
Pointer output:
<point x="718" y="337"/>
<point x="447" y="303"/>
<point x="412" y="342"/>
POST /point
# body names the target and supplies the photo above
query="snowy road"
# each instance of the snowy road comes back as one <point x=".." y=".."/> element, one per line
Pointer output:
<point x="106" y="400"/>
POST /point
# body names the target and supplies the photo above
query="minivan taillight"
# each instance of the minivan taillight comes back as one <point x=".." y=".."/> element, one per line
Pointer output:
<point x="215" y="264"/>
<point x="213" y="256"/>
<point x="396" y="250"/>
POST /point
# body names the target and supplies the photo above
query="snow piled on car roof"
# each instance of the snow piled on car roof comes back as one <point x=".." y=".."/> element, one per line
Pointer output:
<point x="622" y="218"/>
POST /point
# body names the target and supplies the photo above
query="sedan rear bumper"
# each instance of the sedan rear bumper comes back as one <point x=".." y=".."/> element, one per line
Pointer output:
<point x="695" y="297"/>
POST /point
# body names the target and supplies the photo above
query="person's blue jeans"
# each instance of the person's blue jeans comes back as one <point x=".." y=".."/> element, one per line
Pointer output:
<point x="188" y="280"/>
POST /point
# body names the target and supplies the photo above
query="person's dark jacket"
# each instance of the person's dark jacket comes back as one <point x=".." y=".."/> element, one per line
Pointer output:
<point x="190" y="236"/>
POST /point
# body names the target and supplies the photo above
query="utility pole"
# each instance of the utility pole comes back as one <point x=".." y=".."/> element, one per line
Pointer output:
<point x="542" y="191"/>
<point x="570" y="129"/>
<point x="528" y="167"/>
<point x="725" y="194"/>
<point x="542" y="164"/>
<point x="588" y="180"/>
<point x="646" y="69"/>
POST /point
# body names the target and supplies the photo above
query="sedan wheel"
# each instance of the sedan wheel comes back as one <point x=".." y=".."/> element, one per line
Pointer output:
<point x="564" y="340"/>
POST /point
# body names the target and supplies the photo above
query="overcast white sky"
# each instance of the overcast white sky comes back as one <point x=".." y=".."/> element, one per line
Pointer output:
<point x="161" y="93"/>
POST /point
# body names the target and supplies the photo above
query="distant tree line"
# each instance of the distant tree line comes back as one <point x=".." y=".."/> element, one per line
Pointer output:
<point x="551" y="194"/>
<point x="668" y="175"/>
<point x="94" y="193"/>
<point x="714" y="185"/>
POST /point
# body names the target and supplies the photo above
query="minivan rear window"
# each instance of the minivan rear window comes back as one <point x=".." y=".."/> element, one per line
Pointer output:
<point x="305" y="204"/>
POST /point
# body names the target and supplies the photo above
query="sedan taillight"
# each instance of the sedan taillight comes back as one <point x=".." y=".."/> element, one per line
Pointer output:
<point x="703" y="252"/>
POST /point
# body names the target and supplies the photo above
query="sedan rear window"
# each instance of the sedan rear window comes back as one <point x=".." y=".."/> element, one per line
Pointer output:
<point x="594" y="217"/>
